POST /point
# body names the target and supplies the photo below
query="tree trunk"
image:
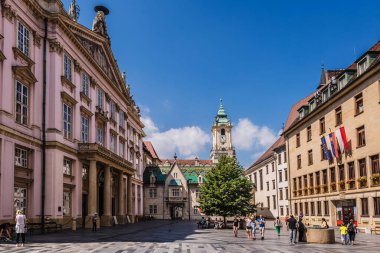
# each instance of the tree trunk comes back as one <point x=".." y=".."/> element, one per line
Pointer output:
<point x="224" y="220"/>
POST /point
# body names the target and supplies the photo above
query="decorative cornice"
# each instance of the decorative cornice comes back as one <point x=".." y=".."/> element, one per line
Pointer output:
<point x="2" y="56"/>
<point x="55" y="46"/>
<point x="24" y="74"/>
<point x="36" y="39"/>
<point x="7" y="11"/>
<point x="17" y="54"/>
<point x="85" y="98"/>
<point x="68" y="83"/>
<point x="85" y="111"/>
<point x="67" y="98"/>
<point x="77" y="66"/>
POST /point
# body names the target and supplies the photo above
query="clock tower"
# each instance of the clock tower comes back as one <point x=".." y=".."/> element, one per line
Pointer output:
<point x="221" y="136"/>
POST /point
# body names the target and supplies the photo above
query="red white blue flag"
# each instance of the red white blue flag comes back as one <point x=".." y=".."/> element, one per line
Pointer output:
<point x="326" y="151"/>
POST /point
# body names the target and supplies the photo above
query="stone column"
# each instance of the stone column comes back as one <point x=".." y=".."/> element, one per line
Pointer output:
<point x="92" y="193"/>
<point x="107" y="218"/>
<point x="121" y="199"/>
<point x="129" y="196"/>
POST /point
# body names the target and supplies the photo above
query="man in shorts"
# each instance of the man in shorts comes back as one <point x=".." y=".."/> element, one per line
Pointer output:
<point x="262" y="226"/>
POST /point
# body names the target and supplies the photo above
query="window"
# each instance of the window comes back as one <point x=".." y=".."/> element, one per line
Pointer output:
<point x="100" y="99"/>
<point x="112" y="142"/>
<point x="268" y="202"/>
<point x="195" y="208"/>
<point x="351" y="170"/>
<point x="21" y="157"/>
<point x="175" y="192"/>
<point x="317" y="178"/>
<point x="121" y="119"/>
<point x="376" y="202"/>
<point x="311" y="179"/>
<point x="362" y="66"/>
<point x="113" y="110"/>
<point x="267" y="168"/>
<point x="23" y="39"/>
<point x="295" y="184"/>
<point x="67" y="167"/>
<point x="267" y="186"/>
<point x="66" y="207"/>
<point x="84" y="130"/>
<point x="281" y="210"/>
<point x="287" y="210"/>
<point x="67" y="67"/>
<point x="332" y="175"/>
<point x="306" y="205"/>
<point x="274" y="201"/>
<point x="85" y="169"/>
<point x="274" y="184"/>
<point x="197" y="194"/>
<point x="285" y="158"/>
<point x="152" y="209"/>
<point x="362" y="168"/>
<point x="319" y="208"/>
<point x="279" y="159"/>
<point x="261" y="179"/>
<point x="375" y="164"/>
<point x="342" y="82"/>
<point x="281" y="194"/>
<point x="272" y="166"/>
<point x="310" y="156"/>
<point x="200" y="180"/>
<point x="341" y="172"/>
<point x="298" y="140"/>
<point x="85" y="84"/>
<point x="338" y="116"/>
<point x="296" y="208"/>
<point x="324" y="177"/>
<point x="309" y="133"/>
<point x="322" y="154"/>
<point x="359" y="106"/>
<point x="175" y="175"/>
<point x="286" y="174"/>
<point x="250" y="178"/>
<point x="299" y="162"/>
<point x="322" y="129"/>
<point x="286" y="193"/>
<point x="67" y="121"/>
<point x="327" y="209"/>
<point x="22" y="108"/>
<point x="301" y="208"/>
<point x="312" y="208"/>
<point x="364" y="206"/>
<point x="300" y="182"/>
<point x="100" y="134"/>
<point x="121" y="148"/>
<point x="152" y="192"/>
<point x="360" y="136"/>
<point x="280" y="176"/>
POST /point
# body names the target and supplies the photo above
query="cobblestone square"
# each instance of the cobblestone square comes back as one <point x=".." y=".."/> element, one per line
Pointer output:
<point x="175" y="237"/>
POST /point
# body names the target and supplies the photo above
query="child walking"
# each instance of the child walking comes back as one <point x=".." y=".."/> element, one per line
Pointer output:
<point x="343" y="233"/>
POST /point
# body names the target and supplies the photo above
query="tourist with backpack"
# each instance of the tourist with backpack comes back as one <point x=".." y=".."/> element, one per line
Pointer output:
<point x="277" y="225"/>
<point x="292" y="227"/>
<point x="262" y="226"/>
<point x="351" y="230"/>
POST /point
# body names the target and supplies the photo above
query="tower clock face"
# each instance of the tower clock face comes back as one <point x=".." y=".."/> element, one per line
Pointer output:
<point x="223" y="139"/>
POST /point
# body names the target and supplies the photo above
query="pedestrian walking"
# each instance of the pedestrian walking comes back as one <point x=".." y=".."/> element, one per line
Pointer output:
<point x="343" y="233"/>
<point x="301" y="230"/>
<point x="253" y="223"/>
<point x="277" y="225"/>
<point x="20" y="228"/>
<point x="292" y="227"/>
<point x="94" y="221"/>
<point x="248" y="225"/>
<point x="351" y="230"/>
<point x="236" y="226"/>
<point x="262" y="226"/>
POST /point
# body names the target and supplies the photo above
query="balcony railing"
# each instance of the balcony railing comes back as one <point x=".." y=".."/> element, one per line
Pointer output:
<point x="176" y="199"/>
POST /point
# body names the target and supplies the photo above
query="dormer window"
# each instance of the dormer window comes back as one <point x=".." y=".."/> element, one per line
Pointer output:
<point x="200" y="180"/>
<point x="301" y="113"/>
<point x="342" y="81"/>
<point x="362" y="66"/>
<point x="325" y="95"/>
<point x="312" y="105"/>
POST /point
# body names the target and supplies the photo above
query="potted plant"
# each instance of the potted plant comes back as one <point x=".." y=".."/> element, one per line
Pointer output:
<point x="342" y="184"/>
<point x="317" y="188"/>
<point x="375" y="178"/>
<point x="333" y="186"/>
<point x="362" y="181"/>
<point x="351" y="183"/>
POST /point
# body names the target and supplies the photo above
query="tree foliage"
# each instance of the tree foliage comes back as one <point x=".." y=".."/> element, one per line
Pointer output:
<point x="226" y="191"/>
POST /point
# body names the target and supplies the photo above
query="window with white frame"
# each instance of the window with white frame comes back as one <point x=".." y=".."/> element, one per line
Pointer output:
<point x="23" y="38"/>
<point x="113" y="110"/>
<point x="152" y="209"/>
<point x="84" y="130"/>
<point x="67" y="121"/>
<point x="112" y="142"/>
<point x="22" y="104"/>
<point x="67" y="67"/>
<point x="197" y="194"/>
<point x="100" y="134"/>
<point x="20" y="199"/>
<point x="21" y="157"/>
<point x="153" y="192"/>
<point x="362" y="66"/>
<point x="67" y="167"/>
<point x="342" y="82"/>
<point x="121" y="148"/>
<point x="85" y="84"/>
<point x="100" y="98"/>
<point x="66" y="207"/>
<point x="121" y="119"/>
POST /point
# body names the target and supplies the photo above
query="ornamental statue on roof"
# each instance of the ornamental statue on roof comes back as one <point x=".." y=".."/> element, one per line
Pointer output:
<point x="74" y="11"/>
<point x="99" y="24"/>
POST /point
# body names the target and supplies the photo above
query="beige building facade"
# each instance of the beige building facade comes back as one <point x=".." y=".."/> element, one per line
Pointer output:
<point x="346" y="186"/>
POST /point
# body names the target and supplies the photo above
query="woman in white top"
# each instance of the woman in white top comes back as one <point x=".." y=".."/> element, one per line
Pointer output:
<point x="20" y="228"/>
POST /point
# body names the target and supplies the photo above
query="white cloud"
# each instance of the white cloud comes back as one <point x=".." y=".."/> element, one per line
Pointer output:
<point x="186" y="141"/>
<point x="248" y="136"/>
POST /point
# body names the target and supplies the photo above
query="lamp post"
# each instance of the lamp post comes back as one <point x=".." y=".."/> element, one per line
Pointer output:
<point x="188" y="194"/>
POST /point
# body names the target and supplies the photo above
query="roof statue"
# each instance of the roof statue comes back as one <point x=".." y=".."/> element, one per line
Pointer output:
<point x="74" y="11"/>
<point x="99" y="24"/>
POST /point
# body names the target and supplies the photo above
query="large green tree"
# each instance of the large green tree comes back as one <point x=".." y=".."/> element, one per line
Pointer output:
<point x="226" y="191"/>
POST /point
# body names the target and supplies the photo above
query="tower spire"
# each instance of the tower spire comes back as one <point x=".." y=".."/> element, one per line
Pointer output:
<point x="322" y="80"/>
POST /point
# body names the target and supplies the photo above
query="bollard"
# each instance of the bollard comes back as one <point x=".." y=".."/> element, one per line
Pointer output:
<point x="74" y="225"/>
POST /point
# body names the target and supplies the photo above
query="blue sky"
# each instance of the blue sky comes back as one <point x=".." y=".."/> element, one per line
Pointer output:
<point x="261" y="57"/>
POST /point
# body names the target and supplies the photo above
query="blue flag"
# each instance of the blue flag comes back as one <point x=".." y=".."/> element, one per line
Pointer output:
<point x="326" y="151"/>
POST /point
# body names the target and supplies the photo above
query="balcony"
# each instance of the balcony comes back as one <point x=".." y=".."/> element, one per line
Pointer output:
<point x="176" y="199"/>
<point x="102" y="154"/>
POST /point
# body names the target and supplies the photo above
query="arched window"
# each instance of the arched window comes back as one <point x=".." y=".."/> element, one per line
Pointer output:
<point x="200" y="179"/>
<point x="223" y="131"/>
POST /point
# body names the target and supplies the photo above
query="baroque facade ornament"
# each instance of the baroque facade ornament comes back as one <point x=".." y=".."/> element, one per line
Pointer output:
<point x="74" y="11"/>
<point x="55" y="46"/>
<point x="99" y="24"/>
<point x="7" y="11"/>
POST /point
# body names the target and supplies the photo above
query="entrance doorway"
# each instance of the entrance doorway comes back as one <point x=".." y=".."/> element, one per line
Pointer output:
<point x="346" y="210"/>
<point x="101" y="194"/>
<point x="84" y="209"/>
<point x="176" y="212"/>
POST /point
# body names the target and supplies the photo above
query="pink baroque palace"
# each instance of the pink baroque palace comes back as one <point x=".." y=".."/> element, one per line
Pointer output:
<point x="70" y="133"/>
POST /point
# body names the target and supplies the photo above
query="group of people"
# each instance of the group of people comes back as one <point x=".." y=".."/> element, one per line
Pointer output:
<point x="250" y="226"/>
<point x="296" y="229"/>
<point x="20" y="229"/>
<point x="348" y="232"/>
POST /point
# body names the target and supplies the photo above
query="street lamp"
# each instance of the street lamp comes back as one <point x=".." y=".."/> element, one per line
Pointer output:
<point x="188" y="194"/>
